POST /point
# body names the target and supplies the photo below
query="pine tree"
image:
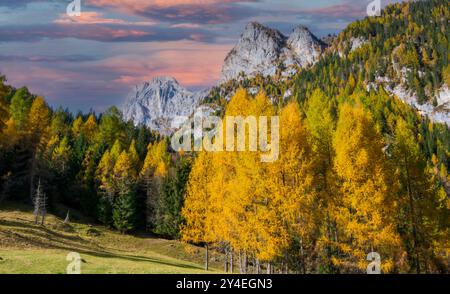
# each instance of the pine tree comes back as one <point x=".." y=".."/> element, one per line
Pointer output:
<point x="171" y="201"/>
<point x="124" y="208"/>
<point x="20" y="106"/>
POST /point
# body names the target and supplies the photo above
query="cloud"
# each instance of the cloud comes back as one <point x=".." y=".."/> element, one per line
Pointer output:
<point x="102" y="33"/>
<point x="193" y="64"/>
<point x="342" y="10"/>
<point x="182" y="11"/>
<point x="347" y="9"/>
<point x="50" y="59"/>
<point x="101" y="82"/>
<point x="23" y="3"/>
<point x="92" y="17"/>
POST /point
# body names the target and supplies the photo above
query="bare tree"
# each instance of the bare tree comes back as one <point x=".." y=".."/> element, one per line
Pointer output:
<point x="67" y="219"/>
<point x="40" y="204"/>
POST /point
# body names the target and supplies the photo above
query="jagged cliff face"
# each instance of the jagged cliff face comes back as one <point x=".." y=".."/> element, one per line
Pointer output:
<point x="156" y="104"/>
<point x="262" y="50"/>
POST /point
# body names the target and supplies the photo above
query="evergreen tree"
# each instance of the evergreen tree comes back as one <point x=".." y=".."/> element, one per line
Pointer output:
<point x="124" y="207"/>
<point x="171" y="201"/>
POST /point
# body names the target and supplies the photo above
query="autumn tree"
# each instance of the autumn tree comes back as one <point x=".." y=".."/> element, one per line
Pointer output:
<point x="423" y="216"/>
<point x="38" y="127"/>
<point x="107" y="192"/>
<point x="365" y="214"/>
<point x="154" y="170"/>
<point x="321" y="125"/>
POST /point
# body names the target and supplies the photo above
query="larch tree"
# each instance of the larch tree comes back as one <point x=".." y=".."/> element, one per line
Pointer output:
<point x="155" y="169"/>
<point x="365" y="216"/>
<point x="197" y="205"/>
<point x="321" y="126"/>
<point x="106" y="187"/>
<point x="423" y="217"/>
<point x="38" y="123"/>
<point x="90" y="128"/>
<point x="297" y="202"/>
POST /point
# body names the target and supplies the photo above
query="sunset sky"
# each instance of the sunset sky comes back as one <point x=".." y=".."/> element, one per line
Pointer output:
<point x="92" y="61"/>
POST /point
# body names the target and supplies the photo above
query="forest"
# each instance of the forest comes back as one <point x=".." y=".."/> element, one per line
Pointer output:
<point x="359" y="170"/>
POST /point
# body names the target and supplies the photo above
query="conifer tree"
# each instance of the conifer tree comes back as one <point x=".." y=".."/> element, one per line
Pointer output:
<point x="423" y="217"/>
<point x="365" y="214"/>
<point x="124" y="208"/>
<point x="107" y="192"/>
<point x="154" y="170"/>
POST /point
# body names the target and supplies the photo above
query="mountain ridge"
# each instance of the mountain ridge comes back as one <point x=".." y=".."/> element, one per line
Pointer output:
<point x="260" y="50"/>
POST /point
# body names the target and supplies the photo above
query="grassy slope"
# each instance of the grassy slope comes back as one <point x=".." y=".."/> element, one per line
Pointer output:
<point x="29" y="248"/>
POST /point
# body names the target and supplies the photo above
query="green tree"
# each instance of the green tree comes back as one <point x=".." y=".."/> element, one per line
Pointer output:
<point x="124" y="208"/>
<point x="20" y="106"/>
<point x="171" y="201"/>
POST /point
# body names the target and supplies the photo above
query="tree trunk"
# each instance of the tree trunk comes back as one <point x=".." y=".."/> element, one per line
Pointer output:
<point x="302" y="254"/>
<point x="206" y="257"/>
<point x="231" y="260"/>
<point x="245" y="263"/>
<point x="241" y="268"/>
<point x="269" y="268"/>
<point x="225" y="263"/>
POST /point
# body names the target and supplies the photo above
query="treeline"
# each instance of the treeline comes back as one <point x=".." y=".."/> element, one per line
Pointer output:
<point x="110" y="170"/>
<point x="340" y="190"/>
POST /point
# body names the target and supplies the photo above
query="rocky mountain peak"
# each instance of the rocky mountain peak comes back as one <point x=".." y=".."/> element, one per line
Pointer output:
<point x="261" y="50"/>
<point x="157" y="102"/>
<point x="256" y="32"/>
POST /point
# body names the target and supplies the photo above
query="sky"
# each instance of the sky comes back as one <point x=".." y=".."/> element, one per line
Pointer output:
<point x="93" y="60"/>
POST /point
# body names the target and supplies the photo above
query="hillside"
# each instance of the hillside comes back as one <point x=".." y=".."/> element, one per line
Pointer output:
<point x="29" y="248"/>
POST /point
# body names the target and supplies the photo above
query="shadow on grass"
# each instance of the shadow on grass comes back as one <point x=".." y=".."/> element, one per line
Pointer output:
<point x="42" y="237"/>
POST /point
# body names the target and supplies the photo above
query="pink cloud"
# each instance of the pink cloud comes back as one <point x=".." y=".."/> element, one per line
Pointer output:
<point x="91" y="17"/>
<point x="192" y="64"/>
<point x="186" y="25"/>
<point x="341" y="10"/>
<point x="183" y="11"/>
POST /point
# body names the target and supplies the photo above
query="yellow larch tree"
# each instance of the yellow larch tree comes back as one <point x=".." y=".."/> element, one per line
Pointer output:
<point x="155" y="169"/>
<point x="321" y="126"/>
<point x="365" y="216"/>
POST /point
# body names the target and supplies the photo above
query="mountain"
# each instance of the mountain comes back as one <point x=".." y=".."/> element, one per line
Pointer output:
<point x="262" y="50"/>
<point x="157" y="103"/>
<point x="369" y="53"/>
